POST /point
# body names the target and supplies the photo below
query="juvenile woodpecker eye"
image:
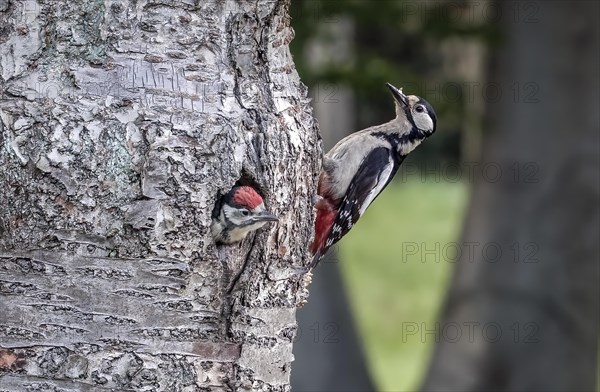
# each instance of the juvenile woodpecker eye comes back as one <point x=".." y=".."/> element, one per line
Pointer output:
<point x="245" y="212"/>
<point x="420" y="109"/>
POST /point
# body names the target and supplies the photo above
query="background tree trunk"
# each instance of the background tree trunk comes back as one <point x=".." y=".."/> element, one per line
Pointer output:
<point x="528" y="308"/>
<point x="329" y="348"/>
<point x="121" y="122"/>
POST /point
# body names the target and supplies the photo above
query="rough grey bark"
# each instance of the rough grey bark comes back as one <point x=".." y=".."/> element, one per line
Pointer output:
<point x="541" y="294"/>
<point x="121" y="122"/>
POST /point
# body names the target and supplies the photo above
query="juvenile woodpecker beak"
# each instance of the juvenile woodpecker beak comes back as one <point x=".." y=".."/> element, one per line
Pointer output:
<point x="398" y="95"/>
<point x="265" y="216"/>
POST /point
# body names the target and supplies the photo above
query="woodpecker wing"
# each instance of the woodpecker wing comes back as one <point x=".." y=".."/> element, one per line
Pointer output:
<point x="375" y="172"/>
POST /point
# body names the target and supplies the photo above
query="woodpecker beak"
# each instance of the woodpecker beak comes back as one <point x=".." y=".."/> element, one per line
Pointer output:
<point x="398" y="95"/>
<point x="265" y="216"/>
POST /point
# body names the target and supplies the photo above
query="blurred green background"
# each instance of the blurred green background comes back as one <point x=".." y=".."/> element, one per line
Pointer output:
<point x="389" y="296"/>
<point x="457" y="54"/>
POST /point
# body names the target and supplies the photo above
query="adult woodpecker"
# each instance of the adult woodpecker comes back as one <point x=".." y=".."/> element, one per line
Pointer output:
<point x="239" y="212"/>
<point x="360" y="166"/>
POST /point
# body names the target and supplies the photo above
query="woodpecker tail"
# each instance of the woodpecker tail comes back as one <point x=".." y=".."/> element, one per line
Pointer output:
<point x="315" y="260"/>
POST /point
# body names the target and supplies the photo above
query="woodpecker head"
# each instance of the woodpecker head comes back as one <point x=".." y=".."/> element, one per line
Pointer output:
<point x="239" y="212"/>
<point x="415" y="110"/>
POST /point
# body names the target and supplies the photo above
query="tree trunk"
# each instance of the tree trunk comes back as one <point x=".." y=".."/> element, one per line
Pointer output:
<point x="121" y="122"/>
<point x="523" y="309"/>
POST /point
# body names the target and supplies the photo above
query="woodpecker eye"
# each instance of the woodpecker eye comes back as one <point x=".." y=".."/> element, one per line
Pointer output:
<point x="420" y="109"/>
<point x="245" y="212"/>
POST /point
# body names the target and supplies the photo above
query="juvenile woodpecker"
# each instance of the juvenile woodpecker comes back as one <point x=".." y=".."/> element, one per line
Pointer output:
<point x="239" y="212"/>
<point x="360" y="166"/>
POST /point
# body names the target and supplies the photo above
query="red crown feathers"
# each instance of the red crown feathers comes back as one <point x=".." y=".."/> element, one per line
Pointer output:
<point x="246" y="196"/>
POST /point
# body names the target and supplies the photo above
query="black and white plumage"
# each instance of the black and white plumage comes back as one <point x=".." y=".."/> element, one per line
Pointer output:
<point x="375" y="172"/>
<point x="361" y="165"/>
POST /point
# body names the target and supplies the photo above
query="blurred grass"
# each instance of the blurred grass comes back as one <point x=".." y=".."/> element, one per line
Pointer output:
<point x="388" y="288"/>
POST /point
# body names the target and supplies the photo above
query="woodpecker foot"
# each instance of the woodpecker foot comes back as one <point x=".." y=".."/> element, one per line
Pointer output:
<point x="328" y="164"/>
